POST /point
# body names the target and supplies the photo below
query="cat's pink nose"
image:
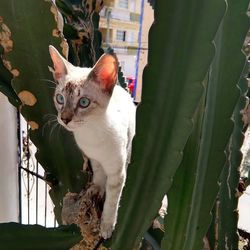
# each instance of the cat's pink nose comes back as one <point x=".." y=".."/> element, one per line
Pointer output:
<point x="66" y="116"/>
<point x="66" y="120"/>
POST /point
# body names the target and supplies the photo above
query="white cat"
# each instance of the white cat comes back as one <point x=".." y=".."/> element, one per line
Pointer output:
<point x="101" y="116"/>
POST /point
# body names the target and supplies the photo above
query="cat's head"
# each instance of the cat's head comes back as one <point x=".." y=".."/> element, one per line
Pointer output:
<point x="82" y="93"/>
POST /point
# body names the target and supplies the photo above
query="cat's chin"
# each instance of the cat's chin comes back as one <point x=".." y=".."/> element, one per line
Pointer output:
<point x="72" y="126"/>
<point x="69" y="128"/>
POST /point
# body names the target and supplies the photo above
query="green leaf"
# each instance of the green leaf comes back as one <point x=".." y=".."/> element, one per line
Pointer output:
<point x="15" y="236"/>
<point x="180" y="53"/>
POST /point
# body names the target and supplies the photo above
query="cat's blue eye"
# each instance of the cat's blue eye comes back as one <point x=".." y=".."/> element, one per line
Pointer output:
<point x="84" y="102"/>
<point x="60" y="99"/>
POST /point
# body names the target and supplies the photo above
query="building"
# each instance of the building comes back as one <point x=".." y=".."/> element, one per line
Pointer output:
<point x="119" y="25"/>
<point x="147" y="17"/>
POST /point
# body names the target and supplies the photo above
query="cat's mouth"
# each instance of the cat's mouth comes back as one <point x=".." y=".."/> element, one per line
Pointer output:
<point x="71" y="125"/>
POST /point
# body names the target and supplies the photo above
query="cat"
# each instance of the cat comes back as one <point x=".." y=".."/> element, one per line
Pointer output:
<point x="101" y="116"/>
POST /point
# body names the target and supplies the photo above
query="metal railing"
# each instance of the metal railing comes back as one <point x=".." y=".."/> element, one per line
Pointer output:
<point x="35" y="205"/>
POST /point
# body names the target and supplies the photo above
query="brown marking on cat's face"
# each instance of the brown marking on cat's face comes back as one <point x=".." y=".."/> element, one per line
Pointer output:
<point x="70" y="88"/>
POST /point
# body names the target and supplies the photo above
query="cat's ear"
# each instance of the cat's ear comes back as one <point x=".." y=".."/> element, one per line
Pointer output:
<point x="105" y="72"/>
<point x="61" y="65"/>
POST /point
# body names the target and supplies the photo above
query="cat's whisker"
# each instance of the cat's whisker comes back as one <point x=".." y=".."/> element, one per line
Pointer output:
<point x="48" y="124"/>
<point x="52" y="123"/>
<point x="81" y="123"/>
<point x="51" y="119"/>
<point x="48" y="116"/>
<point x="52" y="130"/>
<point x="47" y="80"/>
<point x="59" y="130"/>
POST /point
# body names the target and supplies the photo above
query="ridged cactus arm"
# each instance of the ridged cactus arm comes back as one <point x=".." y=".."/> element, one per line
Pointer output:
<point x="225" y="74"/>
<point x="226" y="207"/>
<point x="33" y="27"/>
<point x="217" y="125"/>
<point x="181" y="191"/>
<point x="172" y="87"/>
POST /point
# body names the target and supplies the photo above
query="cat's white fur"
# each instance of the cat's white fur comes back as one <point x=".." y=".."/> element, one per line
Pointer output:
<point x="105" y="135"/>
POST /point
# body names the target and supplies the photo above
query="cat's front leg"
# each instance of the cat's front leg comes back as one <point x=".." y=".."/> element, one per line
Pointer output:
<point x="99" y="179"/>
<point x="114" y="186"/>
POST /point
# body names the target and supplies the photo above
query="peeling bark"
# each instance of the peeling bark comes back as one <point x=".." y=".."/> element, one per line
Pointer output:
<point x="84" y="209"/>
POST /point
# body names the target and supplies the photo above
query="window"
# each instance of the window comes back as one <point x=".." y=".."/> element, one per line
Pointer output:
<point x="130" y="37"/>
<point x="123" y="4"/>
<point x="121" y="35"/>
<point x="132" y="5"/>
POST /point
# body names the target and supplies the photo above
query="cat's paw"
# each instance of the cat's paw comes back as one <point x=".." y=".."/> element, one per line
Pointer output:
<point x="93" y="190"/>
<point x="106" y="230"/>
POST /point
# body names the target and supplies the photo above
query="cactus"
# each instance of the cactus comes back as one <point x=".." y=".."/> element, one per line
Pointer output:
<point x="82" y="34"/>
<point x="25" y="78"/>
<point x="223" y="229"/>
<point x="28" y="60"/>
<point x="181" y="191"/>
<point x="37" y="237"/>
<point x="217" y="128"/>
<point x="81" y="31"/>
<point x="158" y="146"/>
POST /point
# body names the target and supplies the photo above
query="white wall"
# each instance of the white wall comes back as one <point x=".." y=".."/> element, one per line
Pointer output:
<point x="148" y="18"/>
<point x="8" y="162"/>
<point x="128" y="63"/>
